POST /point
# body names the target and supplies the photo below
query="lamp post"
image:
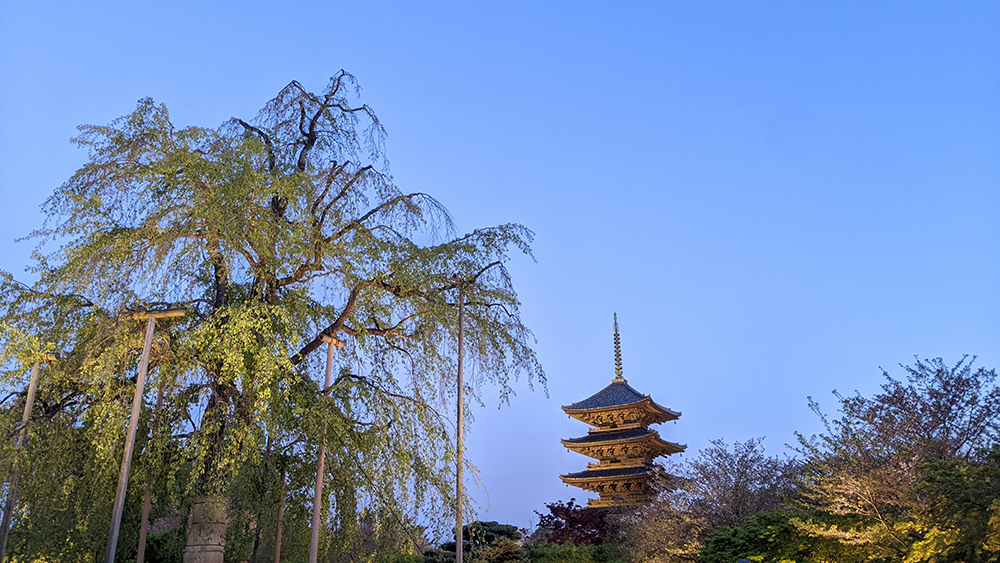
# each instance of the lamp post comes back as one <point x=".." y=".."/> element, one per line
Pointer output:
<point x="22" y="436"/>
<point x="459" y="541"/>
<point x="116" y="513"/>
<point x="331" y="343"/>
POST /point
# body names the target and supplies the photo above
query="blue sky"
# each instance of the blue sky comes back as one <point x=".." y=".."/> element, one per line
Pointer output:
<point x="777" y="198"/>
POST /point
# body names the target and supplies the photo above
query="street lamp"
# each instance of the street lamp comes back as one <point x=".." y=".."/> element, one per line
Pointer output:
<point x="459" y="539"/>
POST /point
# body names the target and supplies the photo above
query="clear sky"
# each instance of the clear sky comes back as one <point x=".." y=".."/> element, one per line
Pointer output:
<point x="777" y="198"/>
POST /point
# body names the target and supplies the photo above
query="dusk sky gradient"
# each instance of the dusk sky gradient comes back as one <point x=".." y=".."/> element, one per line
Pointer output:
<point x="777" y="198"/>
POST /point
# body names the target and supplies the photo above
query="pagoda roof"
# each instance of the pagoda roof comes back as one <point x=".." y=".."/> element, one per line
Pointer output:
<point x="596" y="438"/>
<point x="614" y="473"/>
<point x="618" y="394"/>
<point x="610" y="436"/>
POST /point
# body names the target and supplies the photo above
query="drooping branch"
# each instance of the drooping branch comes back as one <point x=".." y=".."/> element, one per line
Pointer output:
<point x="335" y="170"/>
<point x="379" y="388"/>
<point x="329" y="101"/>
<point x="483" y="271"/>
<point x="382" y="331"/>
<point x="46" y="410"/>
<point x="83" y="301"/>
<point x="343" y="191"/>
<point x="353" y="224"/>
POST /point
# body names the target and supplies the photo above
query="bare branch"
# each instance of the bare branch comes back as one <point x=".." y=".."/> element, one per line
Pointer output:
<point x="264" y="137"/>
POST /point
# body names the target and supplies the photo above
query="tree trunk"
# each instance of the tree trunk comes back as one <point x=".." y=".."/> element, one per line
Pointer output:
<point x="147" y="497"/>
<point x="256" y="539"/>
<point x="281" y="517"/>
<point x="206" y="531"/>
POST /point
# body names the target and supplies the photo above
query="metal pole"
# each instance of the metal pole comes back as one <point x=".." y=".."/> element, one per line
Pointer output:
<point x="22" y="436"/>
<point x="331" y="342"/>
<point x="133" y="423"/>
<point x="147" y="497"/>
<point x="459" y="541"/>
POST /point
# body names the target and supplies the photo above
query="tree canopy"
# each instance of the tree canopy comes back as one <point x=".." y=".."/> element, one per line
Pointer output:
<point x="272" y="233"/>
<point x="722" y="486"/>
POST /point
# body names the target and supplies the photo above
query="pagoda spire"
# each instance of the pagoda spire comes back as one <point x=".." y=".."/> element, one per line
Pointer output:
<point x="618" y="356"/>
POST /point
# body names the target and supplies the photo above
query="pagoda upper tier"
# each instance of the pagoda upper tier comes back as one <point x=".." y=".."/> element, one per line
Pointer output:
<point x="620" y="406"/>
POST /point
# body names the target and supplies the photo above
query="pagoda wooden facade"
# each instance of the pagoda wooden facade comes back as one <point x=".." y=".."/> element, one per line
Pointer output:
<point x="620" y="440"/>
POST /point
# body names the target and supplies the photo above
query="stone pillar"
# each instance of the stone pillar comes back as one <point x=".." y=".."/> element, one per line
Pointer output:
<point x="206" y="531"/>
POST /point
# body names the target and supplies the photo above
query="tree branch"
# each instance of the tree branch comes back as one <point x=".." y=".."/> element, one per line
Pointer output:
<point x="264" y="137"/>
<point x="331" y="330"/>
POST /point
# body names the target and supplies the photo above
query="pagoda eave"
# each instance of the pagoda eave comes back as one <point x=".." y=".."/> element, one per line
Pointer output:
<point x="636" y="472"/>
<point x="633" y="443"/>
<point x="647" y="402"/>
<point x="639" y="413"/>
<point x="638" y="452"/>
<point x="620" y="500"/>
<point x="625" y="480"/>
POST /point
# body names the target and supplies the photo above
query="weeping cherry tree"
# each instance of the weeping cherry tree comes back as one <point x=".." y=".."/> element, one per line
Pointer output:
<point x="273" y="233"/>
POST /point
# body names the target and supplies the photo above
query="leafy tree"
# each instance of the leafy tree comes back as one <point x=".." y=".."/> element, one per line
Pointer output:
<point x="768" y="537"/>
<point x="860" y="476"/>
<point x="489" y="542"/>
<point x="482" y="542"/>
<point x="572" y="523"/>
<point x="721" y="486"/>
<point x="166" y="547"/>
<point x="731" y="485"/>
<point x="958" y="515"/>
<point x="909" y="475"/>
<point x="669" y="529"/>
<point x="483" y="534"/>
<point x="273" y="233"/>
<point x="543" y="552"/>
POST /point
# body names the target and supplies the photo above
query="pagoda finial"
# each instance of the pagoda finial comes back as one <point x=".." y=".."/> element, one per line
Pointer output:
<point x="618" y="355"/>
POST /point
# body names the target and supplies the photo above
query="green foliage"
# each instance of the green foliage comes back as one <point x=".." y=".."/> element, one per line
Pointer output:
<point x="768" y="537"/>
<point x="439" y="555"/>
<point x="484" y="541"/>
<point x="492" y="542"/>
<point x="568" y="553"/>
<point x="958" y="519"/>
<point x="909" y="475"/>
<point x="166" y="547"/>
<point x="271" y="233"/>
<point x="905" y="476"/>
<point x="486" y="534"/>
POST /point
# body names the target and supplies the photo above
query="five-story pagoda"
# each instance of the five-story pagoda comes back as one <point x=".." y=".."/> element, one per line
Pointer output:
<point x="620" y="440"/>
